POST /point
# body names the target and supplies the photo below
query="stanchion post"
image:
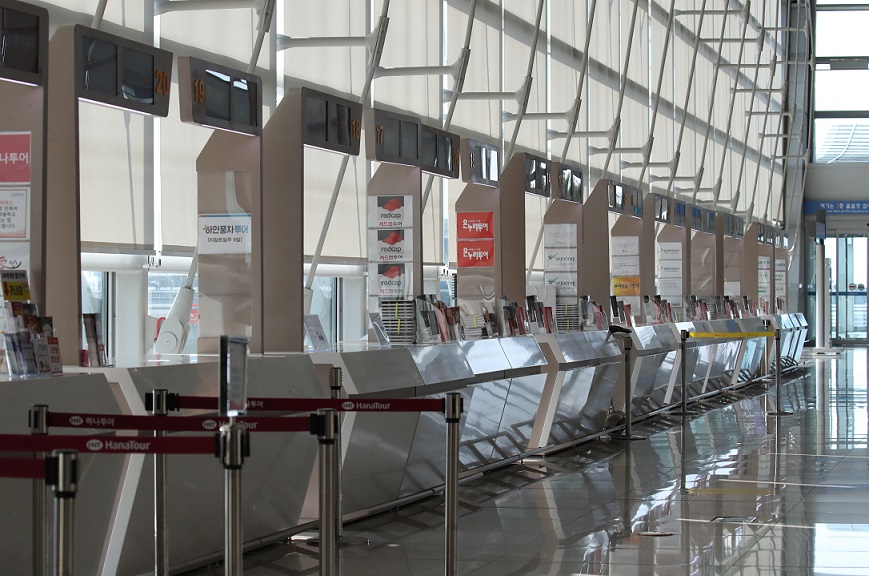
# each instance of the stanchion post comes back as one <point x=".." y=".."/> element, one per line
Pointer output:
<point x="335" y="383"/>
<point x="64" y="479"/>
<point x="160" y="407"/>
<point x="452" y="415"/>
<point x="232" y="445"/>
<point x="628" y="392"/>
<point x="683" y="373"/>
<point x="327" y="434"/>
<point x="778" y="410"/>
<point x="38" y="421"/>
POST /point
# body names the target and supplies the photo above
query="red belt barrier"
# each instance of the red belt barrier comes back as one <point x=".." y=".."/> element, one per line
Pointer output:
<point x="313" y="404"/>
<point x="22" y="468"/>
<point x="107" y="444"/>
<point x="174" y="423"/>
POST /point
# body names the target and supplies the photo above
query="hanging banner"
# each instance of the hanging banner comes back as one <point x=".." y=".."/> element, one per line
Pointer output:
<point x="475" y="253"/>
<point x="625" y="245"/>
<point x="15" y="158"/>
<point x="559" y="236"/>
<point x="390" y="212"/>
<point x="475" y="225"/>
<point x="14" y="213"/>
<point x="565" y="282"/>
<point x="388" y="280"/>
<point x="390" y="245"/>
<point x="559" y="259"/>
<point x="224" y="234"/>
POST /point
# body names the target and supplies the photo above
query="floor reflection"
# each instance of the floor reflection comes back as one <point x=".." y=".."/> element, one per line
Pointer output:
<point x="732" y="491"/>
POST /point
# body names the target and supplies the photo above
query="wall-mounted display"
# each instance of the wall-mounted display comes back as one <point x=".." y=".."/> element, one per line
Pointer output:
<point x="570" y="183"/>
<point x="219" y="97"/>
<point x="616" y="197"/>
<point x="537" y="176"/>
<point x="119" y="72"/>
<point x="439" y="152"/>
<point x="680" y="213"/>
<point x="395" y="138"/>
<point x="23" y="42"/>
<point x="482" y="164"/>
<point x="662" y="209"/>
<point x="330" y="122"/>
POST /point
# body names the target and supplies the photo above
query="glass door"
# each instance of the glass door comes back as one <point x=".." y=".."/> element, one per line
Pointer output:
<point x="850" y="263"/>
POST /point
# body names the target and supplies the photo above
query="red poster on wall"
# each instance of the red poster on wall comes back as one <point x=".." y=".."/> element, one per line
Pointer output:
<point x="476" y="253"/>
<point x="15" y="158"/>
<point x="475" y="225"/>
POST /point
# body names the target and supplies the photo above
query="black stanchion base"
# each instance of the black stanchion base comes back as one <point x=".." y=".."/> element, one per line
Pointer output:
<point x="780" y="413"/>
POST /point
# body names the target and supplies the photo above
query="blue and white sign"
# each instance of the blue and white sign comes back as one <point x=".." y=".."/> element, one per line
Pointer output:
<point x="224" y="233"/>
<point x="836" y="206"/>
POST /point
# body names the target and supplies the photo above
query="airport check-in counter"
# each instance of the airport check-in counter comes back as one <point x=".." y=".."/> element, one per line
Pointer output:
<point x="725" y="356"/>
<point x="654" y="355"/>
<point x="100" y="479"/>
<point x="581" y="381"/>
<point x="753" y="350"/>
<point x="698" y="356"/>
<point x="803" y="329"/>
<point x="115" y="499"/>
<point x="391" y="455"/>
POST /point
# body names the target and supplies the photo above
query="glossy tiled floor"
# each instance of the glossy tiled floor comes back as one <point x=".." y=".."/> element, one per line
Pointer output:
<point x="732" y="491"/>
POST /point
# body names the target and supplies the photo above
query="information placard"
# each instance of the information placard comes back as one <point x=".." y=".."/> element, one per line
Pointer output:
<point x="385" y="245"/>
<point x="233" y="376"/>
<point x="316" y="333"/>
<point x="475" y="253"/>
<point x="14" y="213"/>
<point x="15" y="158"/>
<point x="565" y="282"/>
<point x="224" y="234"/>
<point x="559" y="259"/>
<point x="390" y="212"/>
<point x="389" y="280"/>
<point x="475" y="225"/>
<point x="559" y="236"/>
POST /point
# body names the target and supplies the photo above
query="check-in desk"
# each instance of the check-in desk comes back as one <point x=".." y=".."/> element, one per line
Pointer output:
<point x="803" y="329"/>
<point x="751" y="363"/>
<point x="580" y="383"/>
<point x="100" y="477"/>
<point x="724" y="356"/>
<point x="655" y="348"/>
<point x="115" y="498"/>
<point x="698" y="356"/>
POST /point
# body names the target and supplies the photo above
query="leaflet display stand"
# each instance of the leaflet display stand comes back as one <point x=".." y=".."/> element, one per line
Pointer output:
<point x="670" y="248"/>
<point x="23" y="116"/>
<point x="734" y="256"/>
<point x="229" y="178"/>
<point x="707" y="262"/>
<point x="105" y="69"/>
<point x="478" y="253"/>
<point x="305" y="117"/>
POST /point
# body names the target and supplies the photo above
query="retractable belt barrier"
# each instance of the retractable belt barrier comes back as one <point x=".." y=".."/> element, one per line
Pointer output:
<point x="178" y="402"/>
<point x="33" y="468"/>
<point x="685" y="335"/>
<point x="731" y="335"/>
<point x="231" y="446"/>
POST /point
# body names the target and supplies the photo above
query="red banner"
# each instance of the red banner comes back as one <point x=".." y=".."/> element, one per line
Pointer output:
<point x="314" y="404"/>
<point x="22" y="468"/>
<point x="15" y="158"/>
<point x="175" y="423"/>
<point x="475" y="225"/>
<point x="475" y="253"/>
<point x="107" y="444"/>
